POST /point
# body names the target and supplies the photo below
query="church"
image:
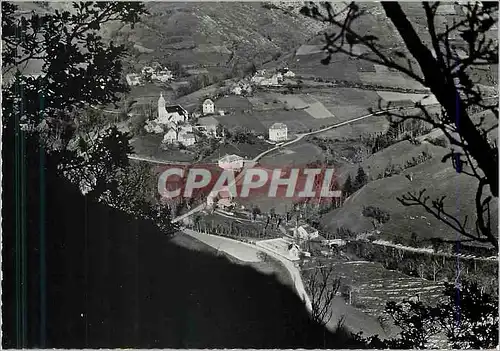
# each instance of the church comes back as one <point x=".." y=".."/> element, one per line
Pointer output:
<point x="173" y="114"/>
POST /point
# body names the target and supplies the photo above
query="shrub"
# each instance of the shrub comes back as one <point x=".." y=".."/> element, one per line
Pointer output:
<point x="376" y="213"/>
<point x="441" y="141"/>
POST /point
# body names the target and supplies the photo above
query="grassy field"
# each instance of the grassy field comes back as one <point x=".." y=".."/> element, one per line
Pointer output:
<point x="244" y="150"/>
<point x="397" y="154"/>
<point x="149" y="146"/>
<point x="298" y="154"/>
<point x="232" y="103"/>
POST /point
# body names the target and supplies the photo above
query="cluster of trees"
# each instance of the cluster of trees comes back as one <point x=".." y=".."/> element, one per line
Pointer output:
<point x="379" y="215"/>
<point x="228" y="228"/>
<point x="196" y="83"/>
<point x="398" y="131"/>
<point x="442" y="141"/>
<point x="350" y="186"/>
<point x="392" y="169"/>
<point x="240" y="135"/>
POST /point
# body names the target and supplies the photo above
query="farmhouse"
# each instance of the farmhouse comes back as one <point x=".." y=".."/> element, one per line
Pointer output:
<point x="208" y="107"/>
<point x="183" y="135"/>
<point x="231" y="162"/>
<point x="186" y="138"/>
<point x="133" y="79"/>
<point x="278" y="132"/>
<point x="209" y="124"/>
<point x="222" y="194"/>
<point x="170" y="136"/>
<point x="293" y="251"/>
<point x="300" y="230"/>
<point x="170" y="114"/>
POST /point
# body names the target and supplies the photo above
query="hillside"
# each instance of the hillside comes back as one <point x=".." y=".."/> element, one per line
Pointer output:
<point x="216" y="34"/>
<point x="437" y="177"/>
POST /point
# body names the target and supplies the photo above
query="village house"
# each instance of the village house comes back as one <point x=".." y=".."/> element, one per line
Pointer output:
<point x="216" y="196"/>
<point x="278" y="132"/>
<point x="209" y="125"/>
<point x="234" y="162"/>
<point x="208" y="107"/>
<point x="183" y="135"/>
<point x="170" y="136"/>
<point x="157" y="73"/>
<point x="186" y="138"/>
<point x="289" y="74"/>
<point x="133" y="79"/>
<point x="293" y="251"/>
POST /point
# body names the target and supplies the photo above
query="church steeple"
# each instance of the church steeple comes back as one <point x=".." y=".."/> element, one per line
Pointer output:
<point x="161" y="101"/>
<point x="162" y="112"/>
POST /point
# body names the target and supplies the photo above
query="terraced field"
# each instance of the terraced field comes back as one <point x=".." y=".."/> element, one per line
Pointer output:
<point x="373" y="286"/>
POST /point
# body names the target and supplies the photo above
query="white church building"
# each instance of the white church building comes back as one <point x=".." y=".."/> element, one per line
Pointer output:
<point x="170" y="114"/>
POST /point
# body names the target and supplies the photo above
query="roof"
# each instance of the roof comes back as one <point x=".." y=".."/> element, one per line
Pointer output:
<point x="231" y="158"/>
<point x="186" y="134"/>
<point x="207" y="121"/>
<point x="278" y="126"/>
<point x="225" y="202"/>
<point x="175" y="108"/>
<point x="208" y="101"/>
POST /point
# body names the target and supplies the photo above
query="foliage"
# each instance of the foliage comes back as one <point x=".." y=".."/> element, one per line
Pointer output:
<point x="361" y="179"/>
<point x="376" y="213"/>
<point x="348" y="188"/>
<point x="442" y="141"/>
<point x="78" y="69"/>
<point x="467" y="316"/>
